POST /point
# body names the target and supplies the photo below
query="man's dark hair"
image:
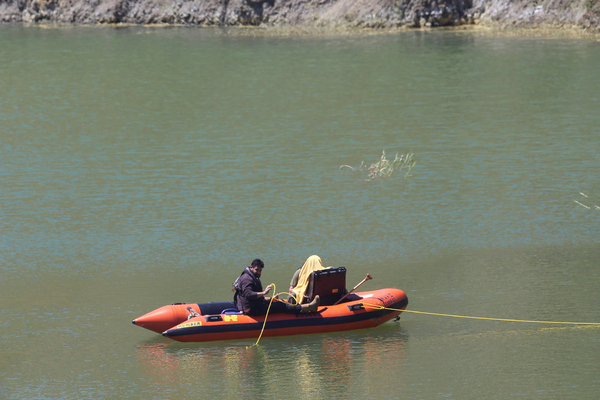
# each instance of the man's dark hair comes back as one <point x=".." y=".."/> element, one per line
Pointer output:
<point x="257" y="262"/>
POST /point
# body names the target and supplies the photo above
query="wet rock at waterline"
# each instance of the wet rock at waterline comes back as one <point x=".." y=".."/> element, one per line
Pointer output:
<point x="373" y="14"/>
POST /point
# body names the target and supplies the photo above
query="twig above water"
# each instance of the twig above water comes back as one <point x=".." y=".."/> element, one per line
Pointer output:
<point x="384" y="167"/>
<point x="596" y="207"/>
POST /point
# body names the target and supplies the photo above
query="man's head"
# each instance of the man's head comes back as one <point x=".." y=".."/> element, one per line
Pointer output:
<point x="257" y="266"/>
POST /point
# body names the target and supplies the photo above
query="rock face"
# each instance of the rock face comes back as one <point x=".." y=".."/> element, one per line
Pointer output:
<point x="582" y="14"/>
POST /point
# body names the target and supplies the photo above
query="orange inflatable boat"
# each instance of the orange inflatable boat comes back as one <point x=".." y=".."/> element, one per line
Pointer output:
<point x="220" y="321"/>
<point x="339" y="311"/>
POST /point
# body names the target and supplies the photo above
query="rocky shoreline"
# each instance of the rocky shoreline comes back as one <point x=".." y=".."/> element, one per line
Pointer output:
<point x="581" y="15"/>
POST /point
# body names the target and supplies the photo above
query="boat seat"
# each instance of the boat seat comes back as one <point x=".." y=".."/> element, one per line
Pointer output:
<point x="329" y="284"/>
<point x="231" y="311"/>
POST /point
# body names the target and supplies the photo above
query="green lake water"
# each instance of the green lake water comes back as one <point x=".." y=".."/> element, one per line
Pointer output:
<point x="145" y="166"/>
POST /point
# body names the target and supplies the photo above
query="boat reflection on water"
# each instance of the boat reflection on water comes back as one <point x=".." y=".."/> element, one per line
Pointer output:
<point x="347" y="363"/>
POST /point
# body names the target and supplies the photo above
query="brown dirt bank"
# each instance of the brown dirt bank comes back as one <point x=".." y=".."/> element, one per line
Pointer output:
<point x="579" y="15"/>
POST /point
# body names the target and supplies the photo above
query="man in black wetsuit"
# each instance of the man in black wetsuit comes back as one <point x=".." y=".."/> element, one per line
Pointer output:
<point x="250" y="296"/>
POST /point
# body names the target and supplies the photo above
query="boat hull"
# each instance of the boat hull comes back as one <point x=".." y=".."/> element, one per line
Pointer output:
<point x="165" y="317"/>
<point x="364" y="310"/>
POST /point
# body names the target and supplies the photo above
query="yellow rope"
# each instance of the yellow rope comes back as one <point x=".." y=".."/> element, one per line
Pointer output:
<point x="378" y="307"/>
<point x="489" y="319"/>
<point x="266" y="315"/>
